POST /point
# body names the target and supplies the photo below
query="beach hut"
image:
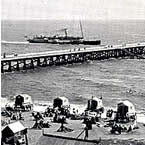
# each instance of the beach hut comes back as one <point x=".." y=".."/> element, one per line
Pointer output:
<point x="61" y="102"/>
<point x="125" y="111"/>
<point x="95" y="104"/>
<point x="25" y="98"/>
<point x="23" y="101"/>
<point x="19" y="100"/>
<point x="14" y="133"/>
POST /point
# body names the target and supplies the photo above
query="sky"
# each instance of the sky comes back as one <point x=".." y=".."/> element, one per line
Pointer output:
<point x="72" y="9"/>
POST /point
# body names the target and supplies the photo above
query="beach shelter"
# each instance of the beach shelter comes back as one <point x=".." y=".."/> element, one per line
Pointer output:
<point x="94" y="104"/>
<point x="60" y="102"/>
<point x="23" y="98"/>
<point x="19" y="100"/>
<point x="125" y="109"/>
<point x="14" y="132"/>
<point x="23" y="101"/>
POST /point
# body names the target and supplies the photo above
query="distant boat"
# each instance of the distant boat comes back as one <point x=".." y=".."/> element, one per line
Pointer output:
<point x="65" y="39"/>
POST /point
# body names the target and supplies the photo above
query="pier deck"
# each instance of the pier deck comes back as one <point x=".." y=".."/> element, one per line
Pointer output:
<point x="48" y="58"/>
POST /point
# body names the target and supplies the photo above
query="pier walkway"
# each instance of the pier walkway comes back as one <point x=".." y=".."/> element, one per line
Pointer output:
<point x="19" y="62"/>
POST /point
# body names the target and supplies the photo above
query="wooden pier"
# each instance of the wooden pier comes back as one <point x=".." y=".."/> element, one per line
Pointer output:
<point x="19" y="62"/>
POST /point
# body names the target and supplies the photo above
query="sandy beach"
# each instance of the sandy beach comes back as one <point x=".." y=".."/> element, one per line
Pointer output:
<point x="98" y="131"/>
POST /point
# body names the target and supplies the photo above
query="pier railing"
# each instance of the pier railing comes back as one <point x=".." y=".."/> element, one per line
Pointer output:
<point x="19" y="62"/>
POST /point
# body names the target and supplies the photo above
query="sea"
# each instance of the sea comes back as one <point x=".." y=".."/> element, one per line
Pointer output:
<point x="114" y="79"/>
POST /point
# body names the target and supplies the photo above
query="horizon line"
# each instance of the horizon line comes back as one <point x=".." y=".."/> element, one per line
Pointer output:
<point x="63" y="19"/>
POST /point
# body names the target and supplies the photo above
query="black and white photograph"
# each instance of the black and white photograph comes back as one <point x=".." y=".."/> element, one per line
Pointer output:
<point x="72" y="72"/>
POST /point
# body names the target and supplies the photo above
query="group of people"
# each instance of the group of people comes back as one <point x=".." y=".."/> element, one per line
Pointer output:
<point x="57" y="114"/>
<point x="76" y="49"/>
<point x="123" y="128"/>
<point x="11" y="115"/>
<point x="17" y="116"/>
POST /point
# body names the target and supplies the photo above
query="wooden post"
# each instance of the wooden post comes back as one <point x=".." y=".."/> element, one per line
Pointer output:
<point x="51" y="61"/>
<point x="63" y="59"/>
<point x="24" y="64"/>
<point x="2" y="67"/>
<point x="57" y="60"/>
<point x="32" y="64"/>
<point x="115" y="53"/>
<point x="108" y="54"/>
<point x="18" y="65"/>
<point x="45" y="61"/>
<point x="86" y="133"/>
<point x="26" y="138"/>
<point x="9" y="68"/>
<point x="38" y="62"/>
<point x="69" y="59"/>
<point x="82" y="57"/>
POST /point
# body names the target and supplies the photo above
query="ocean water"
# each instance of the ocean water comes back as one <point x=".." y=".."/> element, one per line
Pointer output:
<point x="113" y="79"/>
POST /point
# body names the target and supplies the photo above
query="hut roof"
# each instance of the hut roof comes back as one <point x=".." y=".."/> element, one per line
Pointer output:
<point x="15" y="127"/>
<point x="96" y="99"/>
<point x="126" y="103"/>
<point x="57" y="140"/>
<point x="62" y="98"/>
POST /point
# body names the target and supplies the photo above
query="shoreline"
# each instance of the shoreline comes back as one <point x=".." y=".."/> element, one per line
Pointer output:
<point x="40" y="106"/>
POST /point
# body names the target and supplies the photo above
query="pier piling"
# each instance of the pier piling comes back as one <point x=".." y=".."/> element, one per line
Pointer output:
<point x="63" y="57"/>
